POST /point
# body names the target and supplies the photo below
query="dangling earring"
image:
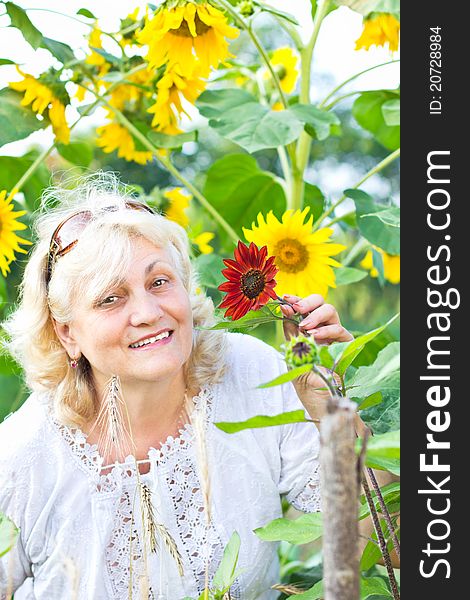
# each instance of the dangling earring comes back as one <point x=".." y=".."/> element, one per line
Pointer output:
<point x="115" y="439"/>
<point x="73" y="362"/>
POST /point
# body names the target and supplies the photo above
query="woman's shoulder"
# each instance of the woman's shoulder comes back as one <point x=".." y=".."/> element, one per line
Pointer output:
<point x="25" y="431"/>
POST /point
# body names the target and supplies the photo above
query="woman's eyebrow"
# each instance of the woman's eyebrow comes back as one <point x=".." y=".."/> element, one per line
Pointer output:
<point x="149" y="267"/>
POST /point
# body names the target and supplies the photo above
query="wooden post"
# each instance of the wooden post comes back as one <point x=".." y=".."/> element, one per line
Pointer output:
<point x="340" y="493"/>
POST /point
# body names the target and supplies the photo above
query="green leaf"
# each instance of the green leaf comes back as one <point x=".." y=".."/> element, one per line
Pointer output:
<point x="247" y="322"/>
<point x="391" y="496"/>
<point x="383" y="451"/>
<point x="370" y="555"/>
<point x="371" y="400"/>
<point x="351" y="349"/>
<point x="314" y="198"/>
<point x="238" y="116"/>
<point x="86" y="13"/>
<point x="163" y="140"/>
<point x="365" y="7"/>
<point x="61" y="51"/>
<point x="208" y="268"/>
<point x="347" y="275"/>
<point x="6" y="61"/>
<point x="276" y="12"/>
<point x="304" y="529"/>
<point x="293" y="416"/>
<point x="13" y="168"/>
<point x="367" y="110"/>
<point x="374" y="586"/>
<point x="285" y="377"/>
<point x="225" y="574"/>
<point x="77" y="153"/>
<point x="8" y="534"/>
<point x="16" y="121"/>
<point x="20" y="20"/>
<point x="314" y="593"/>
<point x="239" y="190"/>
<point x="391" y="112"/>
<point x="113" y="60"/>
<point x="371" y="379"/>
<point x="318" y="122"/>
<point x="382" y="232"/>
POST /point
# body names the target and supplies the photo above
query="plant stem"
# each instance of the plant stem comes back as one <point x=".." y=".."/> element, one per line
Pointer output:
<point x="331" y="389"/>
<point x="305" y="141"/>
<point x="358" y="247"/>
<point x="346" y="81"/>
<point x="385" y="512"/>
<point x="381" y="540"/>
<point x="341" y="98"/>
<point x="340" y="218"/>
<point x="384" y="163"/>
<point x="166" y="162"/>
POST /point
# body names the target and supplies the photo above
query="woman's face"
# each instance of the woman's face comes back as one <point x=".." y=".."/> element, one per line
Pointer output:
<point x="140" y="330"/>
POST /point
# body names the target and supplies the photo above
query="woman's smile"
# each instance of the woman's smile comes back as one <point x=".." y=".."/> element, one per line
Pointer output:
<point x="153" y="340"/>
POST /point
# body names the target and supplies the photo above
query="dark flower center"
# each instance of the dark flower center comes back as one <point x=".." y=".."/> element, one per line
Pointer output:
<point x="252" y="283"/>
<point x="301" y="349"/>
<point x="291" y="255"/>
<point x="183" y="29"/>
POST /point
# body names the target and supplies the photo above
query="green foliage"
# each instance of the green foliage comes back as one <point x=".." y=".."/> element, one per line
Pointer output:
<point x="348" y="275"/>
<point x="383" y="452"/>
<point x="318" y="123"/>
<point x="12" y="168"/>
<point x="369" y="113"/>
<point x="16" y="121"/>
<point x="294" y="416"/>
<point x="378" y="225"/>
<point x="289" y="376"/>
<point x="21" y="21"/>
<point x="306" y="528"/>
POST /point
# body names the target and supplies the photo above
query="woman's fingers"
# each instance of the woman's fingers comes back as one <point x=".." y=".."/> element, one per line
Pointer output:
<point x="330" y="333"/>
<point x="325" y="314"/>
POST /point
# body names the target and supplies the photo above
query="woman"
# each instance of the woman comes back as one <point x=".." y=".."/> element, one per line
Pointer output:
<point x="113" y="470"/>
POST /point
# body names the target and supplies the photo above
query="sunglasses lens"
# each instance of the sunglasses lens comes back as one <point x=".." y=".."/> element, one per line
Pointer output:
<point x="70" y="230"/>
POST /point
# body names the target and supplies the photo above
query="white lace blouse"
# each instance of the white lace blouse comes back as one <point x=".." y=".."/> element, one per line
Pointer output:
<point x="81" y="534"/>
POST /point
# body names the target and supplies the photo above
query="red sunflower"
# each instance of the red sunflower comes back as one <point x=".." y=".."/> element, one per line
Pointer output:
<point x="250" y="282"/>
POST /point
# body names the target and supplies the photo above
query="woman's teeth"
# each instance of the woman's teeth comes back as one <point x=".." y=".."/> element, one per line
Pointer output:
<point x="151" y="340"/>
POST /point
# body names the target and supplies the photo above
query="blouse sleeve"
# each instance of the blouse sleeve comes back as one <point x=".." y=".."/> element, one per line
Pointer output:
<point x="14" y="565"/>
<point x="300" y="468"/>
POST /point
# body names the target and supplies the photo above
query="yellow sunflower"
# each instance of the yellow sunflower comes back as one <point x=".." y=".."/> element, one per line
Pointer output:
<point x="41" y="97"/>
<point x="172" y="87"/>
<point x="302" y="257"/>
<point x="94" y="40"/>
<point x="284" y="61"/>
<point x="132" y="89"/>
<point x="391" y="265"/>
<point x="114" y="136"/>
<point x="177" y="205"/>
<point x="378" y="30"/>
<point x="185" y="33"/>
<point x="202" y="242"/>
<point x="9" y="241"/>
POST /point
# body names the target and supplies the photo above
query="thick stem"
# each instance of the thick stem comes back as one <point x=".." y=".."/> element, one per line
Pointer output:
<point x="305" y="141"/>
<point x="381" y="540"/>
<point x="385" y="512"/>
<point x="382" y="164"/>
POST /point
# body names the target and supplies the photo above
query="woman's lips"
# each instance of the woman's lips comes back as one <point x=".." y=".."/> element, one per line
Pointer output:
<point x="160" y="342"/>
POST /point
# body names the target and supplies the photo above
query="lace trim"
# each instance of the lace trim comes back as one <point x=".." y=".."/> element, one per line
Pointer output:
<point x="309" y="498"/>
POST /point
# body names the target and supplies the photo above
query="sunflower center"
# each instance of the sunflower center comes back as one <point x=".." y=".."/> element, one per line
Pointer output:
<point x="252" y="283"/>
<point x="183" y="29"/>
<point x="291" y="255"/>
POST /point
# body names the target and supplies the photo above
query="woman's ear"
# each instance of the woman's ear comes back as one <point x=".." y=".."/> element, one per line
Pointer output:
<point x="66" y="338"/>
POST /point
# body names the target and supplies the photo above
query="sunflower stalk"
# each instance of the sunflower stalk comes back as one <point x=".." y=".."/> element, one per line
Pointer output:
<point x="305" y="141"/>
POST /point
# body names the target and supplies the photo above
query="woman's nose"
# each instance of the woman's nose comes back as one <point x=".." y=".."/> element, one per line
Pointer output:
<point x="145" y="309"/>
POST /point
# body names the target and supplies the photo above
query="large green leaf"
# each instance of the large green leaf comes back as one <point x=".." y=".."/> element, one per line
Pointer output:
<point x="21" y="21"/>
<point x="225" y="574"/>
<point x="317" y="122"/>
<point x="288" y="376"/>
<point x="239" y="190"/>
<point x="13" y="168"/>
<point x="347" y="275"/>
<point x="78" y="153"/>
<point x="8" y="534"/>
<point x="370" y="379"/>
<point x="314" y="198"/>
<point x="391" y="496"/>
<point x="381" y="230"/>
<point x="304" y="529"/>
<point x="238" y="116"/>
<point x="16" y="121"/>
<point x="367" y="110"/>
<point x="383" y="451"/>
<point x="391" y="112"/>
<point x="63" y="52"/>
<point x="293" y="416"/>
<point x="349" y="350"/>
<point x="374" y="586"/>
<point x="314" y="593"/>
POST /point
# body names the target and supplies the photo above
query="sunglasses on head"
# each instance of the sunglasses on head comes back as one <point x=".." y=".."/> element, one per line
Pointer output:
<point x="65" y="236"/>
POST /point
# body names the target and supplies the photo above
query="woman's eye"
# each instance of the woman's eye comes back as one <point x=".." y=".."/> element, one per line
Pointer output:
<point x="159" y="282"/>
<point x="108" y="300"/>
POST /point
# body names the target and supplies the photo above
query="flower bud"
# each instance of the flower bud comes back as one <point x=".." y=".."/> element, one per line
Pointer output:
<point x="246" y="8"/>
<point x="301" y="350"/>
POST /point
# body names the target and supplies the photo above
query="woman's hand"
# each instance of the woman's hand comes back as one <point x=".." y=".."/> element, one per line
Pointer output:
<point x="321" y="321"/>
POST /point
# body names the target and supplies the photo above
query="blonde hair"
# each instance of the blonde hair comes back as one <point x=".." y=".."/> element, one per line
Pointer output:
<point x="100" y="259"/>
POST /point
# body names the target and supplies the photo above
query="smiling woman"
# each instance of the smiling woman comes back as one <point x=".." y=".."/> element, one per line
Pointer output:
<point x="113" y="464"/>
